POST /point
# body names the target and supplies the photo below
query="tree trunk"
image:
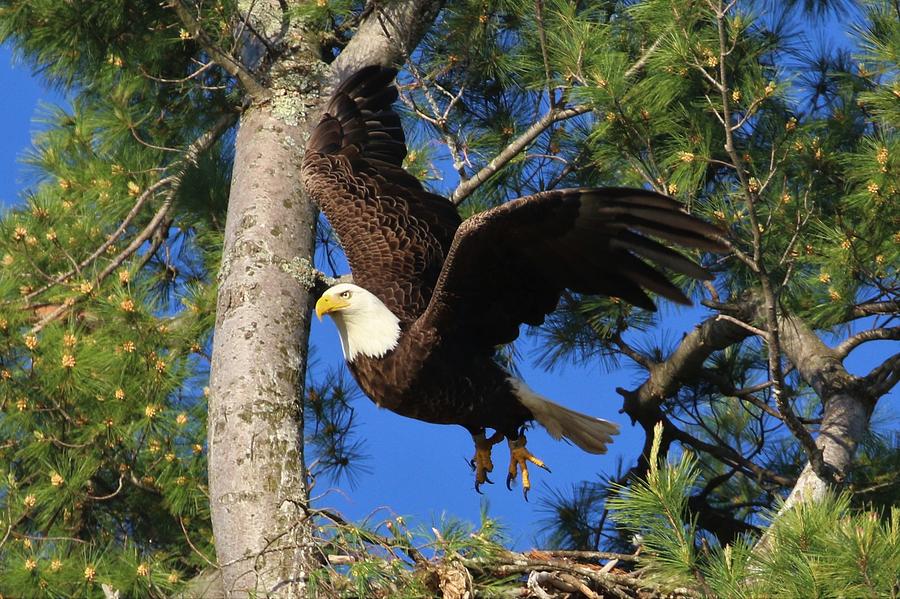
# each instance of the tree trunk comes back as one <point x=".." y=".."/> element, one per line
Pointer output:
<point x="258" y="491"/>
<point x="258" y="487"/>
<point x="847" y="407"/>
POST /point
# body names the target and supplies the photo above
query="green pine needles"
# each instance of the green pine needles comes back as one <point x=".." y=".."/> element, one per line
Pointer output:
<point x="655" y="511"/>
<point x="112" y="256"/>
<point x="825" y="549"/>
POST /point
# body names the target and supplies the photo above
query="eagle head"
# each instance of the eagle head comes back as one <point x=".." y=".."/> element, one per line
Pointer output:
<point x="338" y="298"/>
<point x="365" y="324"/>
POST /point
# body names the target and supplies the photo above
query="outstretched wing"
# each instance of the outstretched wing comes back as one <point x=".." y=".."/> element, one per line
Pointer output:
<point x="394" y="233"/>
<point x="509" y="265"/>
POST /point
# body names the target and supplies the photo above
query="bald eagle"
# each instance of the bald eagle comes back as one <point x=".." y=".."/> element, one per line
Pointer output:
<point x="433" y="296"/>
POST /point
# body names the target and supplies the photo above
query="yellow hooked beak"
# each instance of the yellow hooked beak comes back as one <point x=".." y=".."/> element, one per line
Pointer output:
<point x="329" y="303"/>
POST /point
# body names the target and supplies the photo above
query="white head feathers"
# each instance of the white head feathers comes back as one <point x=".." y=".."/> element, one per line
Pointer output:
<point x="365" y="324"/>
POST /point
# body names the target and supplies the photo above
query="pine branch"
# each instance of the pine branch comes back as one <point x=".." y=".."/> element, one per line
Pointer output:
<point x="556" y="113"/>
<point x="232" y="65"/>
<point x="173" y="183"/>
<point x="771" y="333"/>
<point x="139" y="203"/>
<point x="542" y="36"/>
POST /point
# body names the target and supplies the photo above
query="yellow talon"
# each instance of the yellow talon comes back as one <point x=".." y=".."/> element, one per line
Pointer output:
<point x="482" y="462"/>
<point x="519" y="456"/>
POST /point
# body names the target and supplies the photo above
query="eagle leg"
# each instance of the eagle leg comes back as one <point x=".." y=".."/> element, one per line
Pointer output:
<point x="482" y="463"/>
<point x="519" y="456"/>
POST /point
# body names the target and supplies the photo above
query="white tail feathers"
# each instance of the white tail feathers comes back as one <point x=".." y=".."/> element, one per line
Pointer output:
<point x="587" y="432"/>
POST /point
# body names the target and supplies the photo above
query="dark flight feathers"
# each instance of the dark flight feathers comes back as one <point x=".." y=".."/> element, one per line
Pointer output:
<point x="475" y="282"/>
<point x="395" y="234"/>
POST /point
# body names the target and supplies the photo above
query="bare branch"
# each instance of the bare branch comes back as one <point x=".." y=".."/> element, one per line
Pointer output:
<point x="851" y="343"/>
<point x="632" y="353"/>
<point x="592" y="555"/>
<point x="187" y="537"/>
<point x="724" y="454"/>
<point x="512" y="150"/>
<point x="439" y="117"/>
<point x="883" y="378"/>
<point x="741" y="323"/>
<point x="685" y="363"/>
<point x="640" y="62"/>
<point x="874" y="308"/>
<point x="205" y="66"/>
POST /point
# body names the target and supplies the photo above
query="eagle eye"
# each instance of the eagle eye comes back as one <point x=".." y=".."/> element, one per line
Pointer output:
<point x="345" y="294"/>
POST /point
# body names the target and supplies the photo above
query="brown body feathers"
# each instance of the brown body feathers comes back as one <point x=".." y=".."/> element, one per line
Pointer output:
<point x="462" y="288"/>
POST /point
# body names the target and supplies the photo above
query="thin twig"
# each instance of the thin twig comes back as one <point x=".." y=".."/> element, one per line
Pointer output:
<point x="741" y="323"/>
<point x="187" y="538"/>
<point x="225" y="60"/>
<point x="111" y="495"/>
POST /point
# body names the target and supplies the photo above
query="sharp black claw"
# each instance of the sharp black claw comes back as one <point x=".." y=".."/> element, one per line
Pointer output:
<point x="478" y="488"/>
<point x="547" y="468"/>
<point x="471" y="464"/>
<point x="525" y="494"/>
<point x="509" y="479"/>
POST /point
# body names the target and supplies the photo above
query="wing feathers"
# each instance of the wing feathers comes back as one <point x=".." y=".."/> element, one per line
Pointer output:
<point x="400" y="242"/>
<point x="665" y="257"/>
<point x="592" y="241"/>
<point x="647" y="277"/>
<point x="394" y="233"/>
<point x="673" y="225"/>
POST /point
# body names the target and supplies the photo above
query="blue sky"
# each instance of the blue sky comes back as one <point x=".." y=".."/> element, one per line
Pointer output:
<point x="420" y="470"/>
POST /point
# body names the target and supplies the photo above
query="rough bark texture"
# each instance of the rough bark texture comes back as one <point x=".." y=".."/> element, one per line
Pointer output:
<point x="847" y="407"/>
<point x="258" y="491"/>
<point x="388" y="36"/>
<point x="257" y="482"/>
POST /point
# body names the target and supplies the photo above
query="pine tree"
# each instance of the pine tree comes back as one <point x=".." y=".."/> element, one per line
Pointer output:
<point x="145" y="201"/>
<point x="793" y="149"/>
<point x="167" y="206"/>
